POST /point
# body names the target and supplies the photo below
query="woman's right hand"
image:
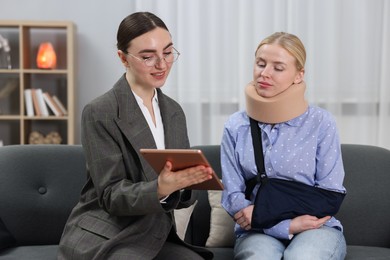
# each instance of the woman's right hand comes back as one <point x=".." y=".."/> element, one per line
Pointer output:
<point x="169" y="181"/>
<point x="244" y="217"/>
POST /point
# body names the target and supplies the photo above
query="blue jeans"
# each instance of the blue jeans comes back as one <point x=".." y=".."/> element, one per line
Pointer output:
<point x="323" y="243"/>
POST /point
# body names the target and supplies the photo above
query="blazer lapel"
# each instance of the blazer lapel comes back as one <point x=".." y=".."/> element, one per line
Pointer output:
<point x="168" y="118"/>
<point x="135" y="128"/>
<point x="133" y="124"/>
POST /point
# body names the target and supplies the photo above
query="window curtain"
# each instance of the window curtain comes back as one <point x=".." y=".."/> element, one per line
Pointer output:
<point x="347" y="67"/>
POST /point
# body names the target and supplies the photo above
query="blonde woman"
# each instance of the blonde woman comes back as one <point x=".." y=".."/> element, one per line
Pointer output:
<point x="300" y="143"/>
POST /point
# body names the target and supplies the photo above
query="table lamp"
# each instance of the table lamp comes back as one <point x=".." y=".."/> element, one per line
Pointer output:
<point x="46" y="57"/>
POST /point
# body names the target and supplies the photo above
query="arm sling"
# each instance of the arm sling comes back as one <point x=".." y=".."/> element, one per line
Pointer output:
<point x="278" y="199"/>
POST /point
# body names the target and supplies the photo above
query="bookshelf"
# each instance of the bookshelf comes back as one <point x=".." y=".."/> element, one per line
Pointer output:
<point x="22" y="73"/>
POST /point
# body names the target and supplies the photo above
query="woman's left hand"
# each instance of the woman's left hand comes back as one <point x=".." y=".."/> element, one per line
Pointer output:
<point x="169" y="181"/>
<point x="306" y="222"/>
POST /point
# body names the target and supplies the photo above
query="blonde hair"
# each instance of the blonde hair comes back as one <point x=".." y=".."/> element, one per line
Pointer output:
<point x="290" y="43"/>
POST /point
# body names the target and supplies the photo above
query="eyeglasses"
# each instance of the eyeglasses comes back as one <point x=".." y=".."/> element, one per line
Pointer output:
<point x="151" y="61"/>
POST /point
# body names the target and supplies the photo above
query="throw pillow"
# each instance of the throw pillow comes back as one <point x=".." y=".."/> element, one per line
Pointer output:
<point x="221" y="223"/>
<point x="182" y="218"/>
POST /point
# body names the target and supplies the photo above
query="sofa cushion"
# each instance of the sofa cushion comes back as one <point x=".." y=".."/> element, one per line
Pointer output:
<point x="199" y="226"/>
<point x="221" y="224"/>
<point x="182" y="218"/>
<point x="38" y="252"/>
<point x="365" y="212"/>
<point x="367" y="252"/>
<point x="39" y="192"/>
<point x="222" y="253"/>
<point x="6" y="239"/>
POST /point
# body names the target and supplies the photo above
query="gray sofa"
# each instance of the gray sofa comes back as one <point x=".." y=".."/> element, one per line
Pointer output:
<point x="365" y="212"/>
<point x="39" y="185"/>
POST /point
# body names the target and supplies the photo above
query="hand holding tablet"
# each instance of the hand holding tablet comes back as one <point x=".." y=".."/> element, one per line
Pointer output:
<point x="182" y="159"/>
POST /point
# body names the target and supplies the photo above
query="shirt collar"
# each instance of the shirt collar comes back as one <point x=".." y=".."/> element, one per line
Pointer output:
<point x="297" y="121"/>
<point x="141" y="102"/>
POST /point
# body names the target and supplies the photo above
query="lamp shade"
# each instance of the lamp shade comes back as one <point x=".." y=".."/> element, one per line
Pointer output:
<point x="46" y="57"/>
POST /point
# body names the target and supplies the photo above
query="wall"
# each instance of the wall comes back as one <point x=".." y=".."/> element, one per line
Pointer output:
<point x="97" y="65"/>
<point x="347" y="44"/>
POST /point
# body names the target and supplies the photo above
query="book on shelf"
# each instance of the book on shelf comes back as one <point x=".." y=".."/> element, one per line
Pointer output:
<point x="35" y="102"/>
<point x="29" y="102"/>
<point x="52" y="104"/>
<point x="60" y="105"/>
<point x="42" y="104"/>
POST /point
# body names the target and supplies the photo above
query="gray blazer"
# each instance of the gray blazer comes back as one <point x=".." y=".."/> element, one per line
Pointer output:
<point x="119" y="215"/>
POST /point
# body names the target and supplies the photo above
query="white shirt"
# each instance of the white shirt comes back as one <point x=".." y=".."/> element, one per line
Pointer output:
<point x="158" y="129"/>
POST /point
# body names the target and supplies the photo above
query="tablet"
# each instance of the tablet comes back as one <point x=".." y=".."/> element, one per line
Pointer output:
<point x="181" y="159"/>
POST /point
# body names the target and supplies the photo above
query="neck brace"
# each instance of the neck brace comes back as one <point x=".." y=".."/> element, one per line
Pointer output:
<point x="283" y="107"/>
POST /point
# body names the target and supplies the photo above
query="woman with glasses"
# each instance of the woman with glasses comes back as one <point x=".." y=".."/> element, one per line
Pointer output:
<point x="126" y="208"/>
